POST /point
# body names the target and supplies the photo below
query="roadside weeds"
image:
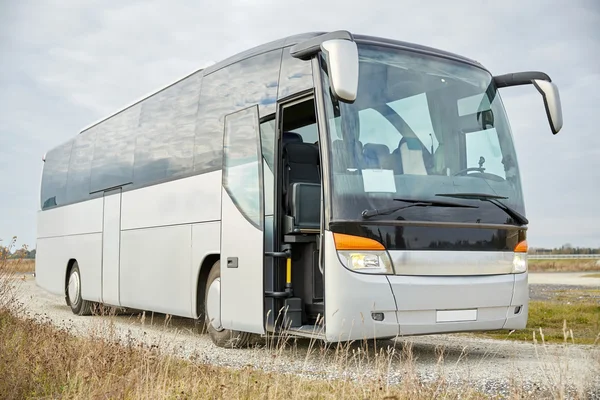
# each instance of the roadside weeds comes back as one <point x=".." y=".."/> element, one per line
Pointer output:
<point x="37" y="359"/>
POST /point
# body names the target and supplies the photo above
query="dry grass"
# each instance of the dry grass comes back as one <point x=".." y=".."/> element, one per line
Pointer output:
<point x="39" y="360"/>
<point x="7" y="282"/>
<point x="592" y="276"/>
<point x="20" y="265"/>
<point x="563" y="265"/>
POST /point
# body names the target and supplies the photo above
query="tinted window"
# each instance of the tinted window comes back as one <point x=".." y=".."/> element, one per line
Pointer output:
<point x="78" y="185"/>
<point x="309" y="133"/>
<point x="248" y="82"/>
<point x="165" y="140"/>
<point x="54" y="177"/>
<point x="241" y="164"/>
<point x="113" y="151"/>
<point x="267" y="137"/>
<point x="300" y="118"/>
<point x="296" y="75"/>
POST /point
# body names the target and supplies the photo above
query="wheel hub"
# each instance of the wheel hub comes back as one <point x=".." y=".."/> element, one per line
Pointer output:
<point x="74" y="284"/>
<point x="213" y="304"/>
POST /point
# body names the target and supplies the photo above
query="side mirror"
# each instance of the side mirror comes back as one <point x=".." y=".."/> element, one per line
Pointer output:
<point x="549" y="92"/>
<point x="342" y="56"/>
<point x="547" y="89"/>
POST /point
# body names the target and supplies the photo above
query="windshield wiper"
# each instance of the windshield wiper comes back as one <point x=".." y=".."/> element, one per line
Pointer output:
<point x="492" y="198"/>
<point x="414" y="203"/>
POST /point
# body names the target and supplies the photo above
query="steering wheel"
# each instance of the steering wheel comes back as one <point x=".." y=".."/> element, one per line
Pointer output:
<point x="480" y="174"/>
<point x="464" y="171"/>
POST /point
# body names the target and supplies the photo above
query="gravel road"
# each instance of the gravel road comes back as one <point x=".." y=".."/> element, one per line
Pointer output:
<point x="486" y="364"/>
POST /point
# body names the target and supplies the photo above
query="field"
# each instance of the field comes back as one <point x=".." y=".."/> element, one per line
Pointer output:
<point x="19" y="265"/>
<point x="564" y="265"/>
<point x="534" y="265"/>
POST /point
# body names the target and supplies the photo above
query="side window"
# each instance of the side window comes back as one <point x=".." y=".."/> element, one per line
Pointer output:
<point x="300" y="118"/>
<point x="113" y="151"/>
<point x="309" y="133"/>
<point x="295" y="76"/>
<point x="78" y="185"/>
<point x="165" y="140"/>
<point x="54" y="177"/>
<point x="242" y="166"/>
<point x="248" y="82"/>
<point x="267" y="139"/>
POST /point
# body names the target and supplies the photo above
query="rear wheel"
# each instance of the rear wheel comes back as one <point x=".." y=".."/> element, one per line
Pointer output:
<point x="78" y="305"/>
<point x="212" y="311"/>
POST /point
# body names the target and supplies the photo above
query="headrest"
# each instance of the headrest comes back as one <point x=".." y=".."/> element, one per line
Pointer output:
<point x="291" y="137"/>
<point x="411" y="143"/>
<point x="378" y="149"/>
<point x="302" y="153"/>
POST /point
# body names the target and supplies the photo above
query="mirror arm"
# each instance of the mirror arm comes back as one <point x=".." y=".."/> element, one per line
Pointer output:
<point x="545" y="86"/>
<point x="306" y="49"/>
<point x="520" y="78"/>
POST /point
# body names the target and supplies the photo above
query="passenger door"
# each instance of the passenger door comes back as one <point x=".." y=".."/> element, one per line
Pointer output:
<point x="111" y="247"/>
<point x="242" y="224"/>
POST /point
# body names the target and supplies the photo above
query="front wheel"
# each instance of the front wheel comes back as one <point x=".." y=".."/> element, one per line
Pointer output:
<point x="212" y="312"/>
<point x="78" y="305"/>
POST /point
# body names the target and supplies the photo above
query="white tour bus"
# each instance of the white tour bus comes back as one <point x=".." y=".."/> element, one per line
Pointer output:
<point x="325" y="185"/>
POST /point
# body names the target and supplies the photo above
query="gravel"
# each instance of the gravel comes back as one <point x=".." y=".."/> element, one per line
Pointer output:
<point x="550" y="292"/>
<point x="485" y="364"/>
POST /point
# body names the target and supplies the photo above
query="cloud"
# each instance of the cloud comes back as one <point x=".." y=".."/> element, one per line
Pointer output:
<point x="69" y="63"/>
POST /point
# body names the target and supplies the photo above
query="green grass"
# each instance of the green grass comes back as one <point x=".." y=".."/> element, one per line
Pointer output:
<point x="576" y="311"/>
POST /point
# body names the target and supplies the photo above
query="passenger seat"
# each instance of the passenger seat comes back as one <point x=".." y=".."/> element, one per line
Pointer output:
<point x="302" y="185"/>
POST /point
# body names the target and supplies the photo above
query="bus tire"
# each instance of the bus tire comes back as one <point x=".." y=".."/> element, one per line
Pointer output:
<point x="78" y="305"/>
<point x="222" y="337"/>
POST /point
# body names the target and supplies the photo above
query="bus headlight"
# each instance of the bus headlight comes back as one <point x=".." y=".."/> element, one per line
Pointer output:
<point x="362" y="254"/>
<point x="519" y="264"/>
<point x="370" y="262"/>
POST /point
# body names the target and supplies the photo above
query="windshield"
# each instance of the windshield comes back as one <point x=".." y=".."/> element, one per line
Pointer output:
<point x="420" y="126"/>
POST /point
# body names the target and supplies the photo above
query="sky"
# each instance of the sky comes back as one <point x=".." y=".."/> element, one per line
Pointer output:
<point x="65" y="64"/>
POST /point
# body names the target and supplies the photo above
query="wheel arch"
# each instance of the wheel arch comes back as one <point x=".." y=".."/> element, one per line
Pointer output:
<point x="207" y="263"/>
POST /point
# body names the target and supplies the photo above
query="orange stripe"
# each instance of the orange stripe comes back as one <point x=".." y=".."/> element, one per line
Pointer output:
<point x="522" y="247"/>
<point x="349" y="242"/>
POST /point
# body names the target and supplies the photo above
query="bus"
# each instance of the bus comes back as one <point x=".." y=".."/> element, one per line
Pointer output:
<point x="325" y="185"/>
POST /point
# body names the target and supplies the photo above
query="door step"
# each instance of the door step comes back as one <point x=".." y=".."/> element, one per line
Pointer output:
<point x="307" y="331"/>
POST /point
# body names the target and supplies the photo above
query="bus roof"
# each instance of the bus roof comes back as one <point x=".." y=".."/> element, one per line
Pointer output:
<point x="286" y="42"/>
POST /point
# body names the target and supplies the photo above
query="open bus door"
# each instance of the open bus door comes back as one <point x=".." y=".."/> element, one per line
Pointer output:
<point x="242" y="224"/>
